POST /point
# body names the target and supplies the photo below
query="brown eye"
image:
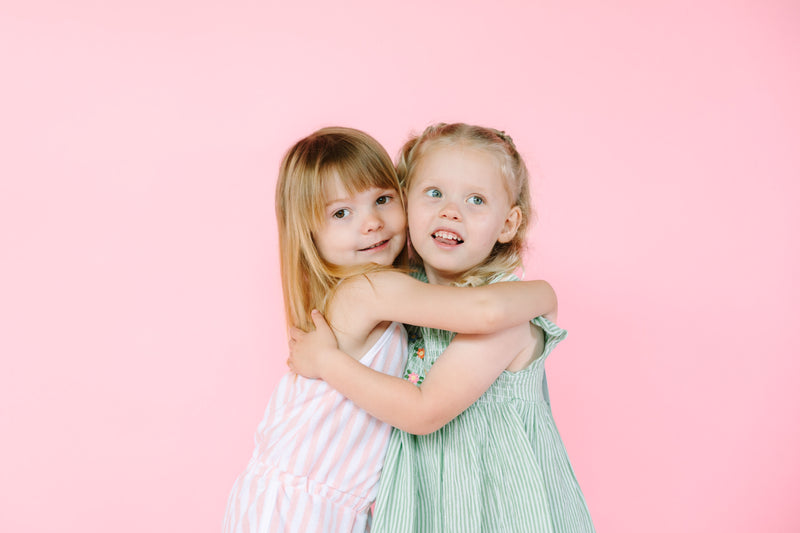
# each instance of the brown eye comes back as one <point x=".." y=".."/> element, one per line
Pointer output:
<point x="341" y="213"/>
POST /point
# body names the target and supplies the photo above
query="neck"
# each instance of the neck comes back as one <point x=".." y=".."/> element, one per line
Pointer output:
<point x="437" y="277"/>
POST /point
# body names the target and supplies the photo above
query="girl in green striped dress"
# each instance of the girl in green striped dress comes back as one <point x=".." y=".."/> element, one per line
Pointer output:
<point x="476" y="449"/>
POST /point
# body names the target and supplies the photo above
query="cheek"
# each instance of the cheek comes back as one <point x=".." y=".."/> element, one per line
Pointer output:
<point x="492" y="235"/>
<point x="322" y="249"/>
<point x="413" y="201"/>
<point x="416" y="212"/>
<point x="417" y="233"/>
<point x="326" y="240"/>
<point x="414" y="215"/>
<point x="316" y="237"/>
<point x="399" y="218"/>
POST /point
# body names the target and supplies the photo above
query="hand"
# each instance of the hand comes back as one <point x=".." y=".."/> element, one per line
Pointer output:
<point x="307" y="350"/>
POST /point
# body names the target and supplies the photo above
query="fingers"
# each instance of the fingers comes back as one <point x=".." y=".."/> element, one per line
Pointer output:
<point x="295" y="336"/>
<point x="318" y="319"/>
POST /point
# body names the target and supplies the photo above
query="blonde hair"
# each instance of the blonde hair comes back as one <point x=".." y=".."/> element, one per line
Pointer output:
<point x="504" y="258"/>
<point x="359" y="162"/>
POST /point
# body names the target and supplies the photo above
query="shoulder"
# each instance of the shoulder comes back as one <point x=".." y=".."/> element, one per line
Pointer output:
<point x="378" y="283"/>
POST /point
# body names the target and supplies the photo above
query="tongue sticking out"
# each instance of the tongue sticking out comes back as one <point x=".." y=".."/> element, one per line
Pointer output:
<point x="444" y="240"/>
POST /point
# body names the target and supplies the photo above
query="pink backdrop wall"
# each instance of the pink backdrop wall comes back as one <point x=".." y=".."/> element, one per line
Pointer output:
<point x="141" y="326"/>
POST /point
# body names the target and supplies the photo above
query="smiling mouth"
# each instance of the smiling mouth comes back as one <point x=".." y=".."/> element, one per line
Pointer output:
<point x="376" y="245"/>
<point x="447" y="237"/>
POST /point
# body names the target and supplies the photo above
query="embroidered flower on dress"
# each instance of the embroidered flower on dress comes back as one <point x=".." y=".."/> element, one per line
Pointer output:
<point x="414" y="378"/>
<point x="420" y="353"/>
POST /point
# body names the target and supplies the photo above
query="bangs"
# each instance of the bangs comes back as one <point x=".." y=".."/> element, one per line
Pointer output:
<point x="356" y="170"/>
<point x="344" y="158"/>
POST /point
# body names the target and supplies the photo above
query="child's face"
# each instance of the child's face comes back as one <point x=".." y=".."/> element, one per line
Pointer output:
<point x="458" y="208"/>
<point x="361" y="228"/>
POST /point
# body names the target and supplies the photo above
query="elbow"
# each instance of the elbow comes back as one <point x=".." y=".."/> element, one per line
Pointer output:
<point x="420" y="429"/>
<point x="493" y="316"/>
<point x="428" y="412"/>
<point x="424" y="424"/>
<point x="547" y="298"/>
<point x="552" y="314"/>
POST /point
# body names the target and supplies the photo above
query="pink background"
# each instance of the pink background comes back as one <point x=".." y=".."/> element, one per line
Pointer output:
<point x="141" y="325"/>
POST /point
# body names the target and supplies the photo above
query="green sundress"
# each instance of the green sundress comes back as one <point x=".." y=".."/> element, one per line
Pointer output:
<point x="500" y="466"/>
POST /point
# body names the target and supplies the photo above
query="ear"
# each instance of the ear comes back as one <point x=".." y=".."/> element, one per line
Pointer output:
<point x="511" y="225"/>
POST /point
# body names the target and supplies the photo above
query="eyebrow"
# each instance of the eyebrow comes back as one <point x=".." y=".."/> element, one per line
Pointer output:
<point x="346" y="199"/>
<point x="335" y="200"/>
<point x="480" y="188"/>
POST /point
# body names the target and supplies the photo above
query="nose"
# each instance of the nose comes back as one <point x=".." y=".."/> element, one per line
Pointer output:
<point x="372" y="222"/>
<point x="450" y="211"/>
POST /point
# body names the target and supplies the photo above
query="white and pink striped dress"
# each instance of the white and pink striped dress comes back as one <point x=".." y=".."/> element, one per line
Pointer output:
<point x="318" y="457"/>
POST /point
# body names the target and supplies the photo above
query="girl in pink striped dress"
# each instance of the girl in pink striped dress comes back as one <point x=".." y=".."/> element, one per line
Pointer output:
<point x="342" y="229"/>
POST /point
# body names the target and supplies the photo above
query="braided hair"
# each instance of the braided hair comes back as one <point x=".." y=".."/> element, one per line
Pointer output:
<point x="504" y="258"/>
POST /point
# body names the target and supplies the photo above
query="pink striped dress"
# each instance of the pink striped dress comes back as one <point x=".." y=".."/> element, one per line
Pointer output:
<point x="318" y="457"/>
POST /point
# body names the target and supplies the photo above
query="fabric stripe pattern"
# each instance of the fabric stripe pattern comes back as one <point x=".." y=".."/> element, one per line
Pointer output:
<point x="500" y="466"/>
<point x="318" y="457"/>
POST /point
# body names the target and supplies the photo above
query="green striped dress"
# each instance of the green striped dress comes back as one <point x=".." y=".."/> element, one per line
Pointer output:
<point x="500" y="466"/>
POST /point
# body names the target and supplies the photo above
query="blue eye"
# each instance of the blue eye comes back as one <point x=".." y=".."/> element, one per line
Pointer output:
<point x="383" y="200"/>
<point x="341" y="213"/>
<point x="434" y="193"/>
<point x="475" y="200"/>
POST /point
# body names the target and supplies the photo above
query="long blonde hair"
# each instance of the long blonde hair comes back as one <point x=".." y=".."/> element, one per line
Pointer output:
<point x="359" y="162"/>
<point x="504" y="258"/>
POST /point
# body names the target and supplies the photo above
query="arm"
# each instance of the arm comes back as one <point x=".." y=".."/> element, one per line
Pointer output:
<point x="461" y="374"/>
<point x="391" y="295"/>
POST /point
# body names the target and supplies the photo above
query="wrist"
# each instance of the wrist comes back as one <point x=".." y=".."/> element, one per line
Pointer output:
<point x="328" y="361"/>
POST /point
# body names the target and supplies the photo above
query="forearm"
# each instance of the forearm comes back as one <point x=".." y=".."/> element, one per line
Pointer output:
<point x="388" y="398"/>
<point x="459" y="377"/>
<point x="516" y="302"/>
<point x="475" y="310"/>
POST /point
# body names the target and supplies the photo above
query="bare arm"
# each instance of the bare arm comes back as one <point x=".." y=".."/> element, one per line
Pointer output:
<point x="461" y="374"/>
<point x="389" y="295"/>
